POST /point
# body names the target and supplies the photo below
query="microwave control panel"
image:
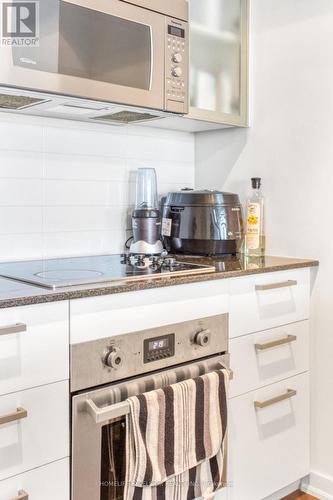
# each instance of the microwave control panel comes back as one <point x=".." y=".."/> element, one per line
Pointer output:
<point x="177" y="66"/>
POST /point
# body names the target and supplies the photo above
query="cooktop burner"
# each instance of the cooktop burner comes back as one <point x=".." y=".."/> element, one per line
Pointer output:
<point x="60" y="273"/>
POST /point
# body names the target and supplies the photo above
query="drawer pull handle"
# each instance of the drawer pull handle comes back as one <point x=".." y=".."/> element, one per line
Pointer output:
<point x="22" y="495"/>
<point x="18" y="328"/>
<point x="13" y="417"/>
<point x="274" y="286"/>
<point x="275" y="343"/>
<point x="269" y="402"/>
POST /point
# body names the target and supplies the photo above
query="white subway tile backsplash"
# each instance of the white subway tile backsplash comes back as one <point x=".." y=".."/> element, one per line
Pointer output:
<point x="18" y="136"/>
<point x="168" y="148"/>
<point x="85" y="168"/>
<point x="15" y="164"/>
<point x="85" y="142"/>
<point x="21" y="247"/>
<point x="177" y="171"/>
<point x="61" y="219"/>
<point x="21" y="220"/>
<point x="82" y="243"/>
<point x="90" y="193"/>
<point x="66" y="188"/>
<point x="21" y="192"/>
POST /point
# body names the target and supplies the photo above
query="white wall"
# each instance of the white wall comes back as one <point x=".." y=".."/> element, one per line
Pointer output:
<point x="290" y="144"/>
<point x="65" y="186"/>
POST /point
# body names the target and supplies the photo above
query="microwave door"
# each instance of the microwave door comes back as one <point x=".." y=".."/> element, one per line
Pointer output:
<point x="96" y="49"/>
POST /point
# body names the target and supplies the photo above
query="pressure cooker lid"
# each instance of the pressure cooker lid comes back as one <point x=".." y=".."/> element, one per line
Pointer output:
<point x="190" y="197"/>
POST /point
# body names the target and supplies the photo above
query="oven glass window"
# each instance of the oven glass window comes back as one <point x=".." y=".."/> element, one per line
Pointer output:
<point x="104" y="48"/>
<point x="113" y="460"/>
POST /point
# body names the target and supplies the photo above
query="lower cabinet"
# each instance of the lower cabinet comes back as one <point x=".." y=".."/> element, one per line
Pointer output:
<point x="269" y="438"/>
<point x="34" y="428"/>
<point x="50" y="482"/>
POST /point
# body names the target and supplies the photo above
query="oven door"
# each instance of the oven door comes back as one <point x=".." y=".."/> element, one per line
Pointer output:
<point x="99" y="429"/>
<point x="96" y="49"/>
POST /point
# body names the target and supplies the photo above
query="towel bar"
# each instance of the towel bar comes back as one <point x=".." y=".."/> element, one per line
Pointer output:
<point x="117" y="410"/>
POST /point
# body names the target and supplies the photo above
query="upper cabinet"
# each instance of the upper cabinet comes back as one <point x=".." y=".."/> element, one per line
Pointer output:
<point x="219" y="61"/>
<point x="219" y="43"/>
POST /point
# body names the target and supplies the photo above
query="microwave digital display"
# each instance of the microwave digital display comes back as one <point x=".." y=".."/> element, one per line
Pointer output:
<point x="172" y="30"/>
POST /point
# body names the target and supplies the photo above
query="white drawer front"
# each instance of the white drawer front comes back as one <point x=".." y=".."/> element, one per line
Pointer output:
<point x="265" y="301"/>
<point x="269" y="447"/>
<point x="100" y="317"/>
<point x="50" y="482"/>
<point x="38" y="355"/>
<point x="39" y="438"/>
<point x="266" y="357"/>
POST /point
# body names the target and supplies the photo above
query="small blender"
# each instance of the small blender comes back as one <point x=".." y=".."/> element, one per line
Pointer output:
<point x="146" y="217"/>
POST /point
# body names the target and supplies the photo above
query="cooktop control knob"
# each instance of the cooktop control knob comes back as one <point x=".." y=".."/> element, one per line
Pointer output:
<point x="170" y="262"/>
<point x="113" y="358"/>
<point x="177" y="72"/>
<point x="203" y="338"/>
<point x="177" y="57"/>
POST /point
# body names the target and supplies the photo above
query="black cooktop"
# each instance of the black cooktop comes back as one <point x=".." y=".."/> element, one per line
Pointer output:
<point x="60" y="273"/>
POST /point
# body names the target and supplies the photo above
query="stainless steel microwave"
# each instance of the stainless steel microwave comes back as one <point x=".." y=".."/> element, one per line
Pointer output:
<point x="133" y="53"/>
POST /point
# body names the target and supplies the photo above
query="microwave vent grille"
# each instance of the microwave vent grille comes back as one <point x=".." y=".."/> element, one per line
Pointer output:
<point x="127" y="117"/>
<point x="18" y="101"/>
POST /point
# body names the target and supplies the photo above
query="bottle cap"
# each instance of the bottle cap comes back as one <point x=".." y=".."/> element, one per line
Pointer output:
<point x="256" y="182"/>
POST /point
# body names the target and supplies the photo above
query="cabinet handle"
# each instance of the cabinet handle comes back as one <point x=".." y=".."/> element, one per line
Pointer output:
<point x="22" y="495"/>
<point x="275" y="343"/>
<point x="12" y="417"/>
<point x="273" y="286"/>
<point x="269" y="402"/>
<point x="18" y="328"/>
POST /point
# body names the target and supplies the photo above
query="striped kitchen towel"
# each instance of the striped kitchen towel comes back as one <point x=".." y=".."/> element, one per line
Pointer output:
<point x="176" y="440"/>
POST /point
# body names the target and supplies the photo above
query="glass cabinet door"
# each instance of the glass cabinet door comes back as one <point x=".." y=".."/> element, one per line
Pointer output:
<point x="219" y="53"/>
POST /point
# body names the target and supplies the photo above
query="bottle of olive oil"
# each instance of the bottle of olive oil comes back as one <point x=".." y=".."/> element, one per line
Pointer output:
<point x="255" y="241"/>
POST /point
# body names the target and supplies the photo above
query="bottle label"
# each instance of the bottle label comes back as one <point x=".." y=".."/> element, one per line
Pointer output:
<point x="253" y="226"/>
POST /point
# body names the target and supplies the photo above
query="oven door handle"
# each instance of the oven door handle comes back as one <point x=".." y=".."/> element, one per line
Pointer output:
<point x="117" y="410"/>
<point x="106" y="413"/>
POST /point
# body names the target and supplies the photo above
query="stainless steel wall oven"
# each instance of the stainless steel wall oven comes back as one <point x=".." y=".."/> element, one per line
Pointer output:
<point x="108" y="371"/>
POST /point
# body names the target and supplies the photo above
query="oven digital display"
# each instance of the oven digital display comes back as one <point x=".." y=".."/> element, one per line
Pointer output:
<point x="158" y="348"/>
<point x="159" y="344"/>
<point x="174" y="31"/>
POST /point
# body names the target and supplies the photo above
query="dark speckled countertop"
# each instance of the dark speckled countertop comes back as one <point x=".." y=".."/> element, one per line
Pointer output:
<point x="14" y="294"/>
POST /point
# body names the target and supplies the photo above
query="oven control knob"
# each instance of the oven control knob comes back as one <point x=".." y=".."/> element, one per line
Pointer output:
<point x="203" y="338"/>
<point x="113" y="358"/>
<point x="177" y="72"/>
<point x="177" y="57"/>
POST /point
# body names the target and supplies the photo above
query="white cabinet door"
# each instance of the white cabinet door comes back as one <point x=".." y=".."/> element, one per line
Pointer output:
<point x="269" y="448"/>
<point x="50" y="482"/>
<point x="34" y="346"/>
<point x="265" y="301"/>
<point x="266" y="357"/>
<point x="41" y="436"/>
<point x="219" y="60"/>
